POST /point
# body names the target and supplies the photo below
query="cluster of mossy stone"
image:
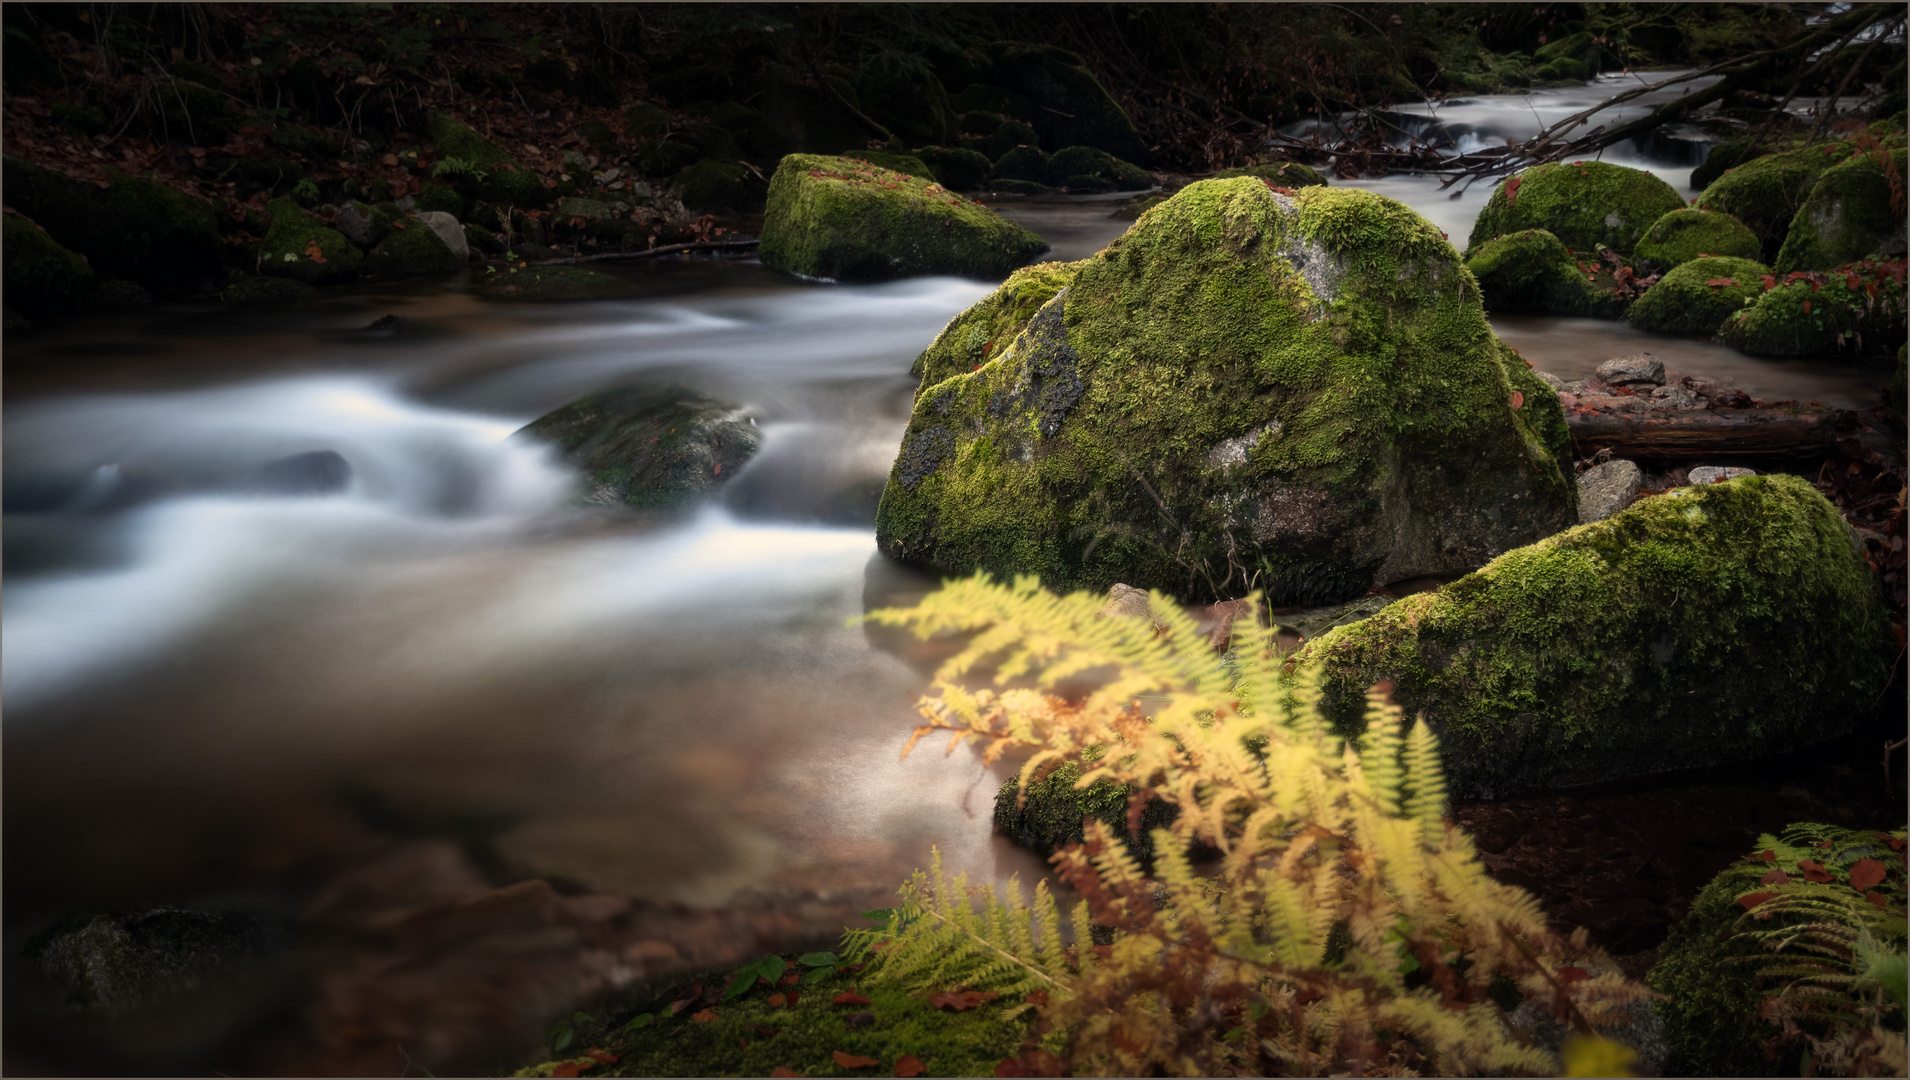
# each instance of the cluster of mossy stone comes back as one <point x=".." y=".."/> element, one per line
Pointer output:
<point x="1553" y="239"/>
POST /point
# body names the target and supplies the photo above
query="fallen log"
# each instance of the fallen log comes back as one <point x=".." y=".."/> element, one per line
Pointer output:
<point x="1714" y="434"/>
<point x="651" y="253"/>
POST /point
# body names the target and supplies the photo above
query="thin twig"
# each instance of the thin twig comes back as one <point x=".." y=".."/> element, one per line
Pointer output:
<point x="667" y="249"/>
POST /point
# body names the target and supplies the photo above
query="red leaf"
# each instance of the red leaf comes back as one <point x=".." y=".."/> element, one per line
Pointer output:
<point x="908" y="1065"/>
<point x="1512" y="190"/>
<point x="1767" y="855"/>
<point x="957" y="1000"/>
<point x="1895" y="844"/>
<point x="703" y="1017"/>
<point x="568" y="1069"/>
<point x="604" y="1057"/>
<point x="1754" y="899"/>
<point x="1876" y="898"/>
<point x="1807" y="307"/>
<point x="776" y="1001"/>
<point x="852" y="1061"/>
<point x="1865" y="873"/>
<point x="1569" y="975"/>
<point x="1518" y="399"/>
<point x="1722" y="281"/>
<point x="1775" y="877"/>
<point x="1813" y="871"/>
<point x="780" y="1071"/>
<point x="850" y="997"/>
<point x="1037" y="997"/>
<point x="793" y="977"/>
<point x="793" y="998"/>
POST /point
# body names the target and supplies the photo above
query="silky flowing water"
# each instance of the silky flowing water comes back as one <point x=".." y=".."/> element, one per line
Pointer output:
<point x="204" y="684"/>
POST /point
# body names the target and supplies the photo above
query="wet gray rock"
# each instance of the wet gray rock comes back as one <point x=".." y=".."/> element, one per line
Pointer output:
<point x="1711" y="474"/>
<point x="649" y="446"/>
<point x="1638" y="369"/>
<point x="1551" y="380"/>
<point x="1675" y="397"/>
<point x="1604" y="490"/>
<point x="449" y="231"/>
<point x="356" y="224"/>
<point x="1128" y="602"/>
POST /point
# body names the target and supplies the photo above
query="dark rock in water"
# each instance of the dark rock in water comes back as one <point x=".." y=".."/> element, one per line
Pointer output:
<point x="385" y="325"/>
<point x="649" y="446"/>
<point x="320" y="472"/>
<point x="118" y="961"/>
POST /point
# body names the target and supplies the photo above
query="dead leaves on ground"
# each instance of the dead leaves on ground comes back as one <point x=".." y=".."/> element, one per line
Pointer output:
<point x="959" y="999"/>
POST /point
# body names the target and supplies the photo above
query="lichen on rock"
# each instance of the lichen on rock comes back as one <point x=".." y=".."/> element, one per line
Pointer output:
<point x="1848" y="215"/>
<point x="1397" y="435"/>
<point x="847" y="220"/>
<point x="1696" y="297"/>
<point x="1583" y="203"/>
<point x="1709" y="625"/>
<point x="1690" y="233"/>
<point x="1533" y="271"/>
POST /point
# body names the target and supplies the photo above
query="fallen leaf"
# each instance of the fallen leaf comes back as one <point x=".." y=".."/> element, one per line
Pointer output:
<point x="604" y="1057"/>
<point x="703" y="1017"/>
<point x="793" y="998"/>
<point x="568" y="1069"/>
<point x="850" y="997"/>
<point x="852" y="1061"/>
<point x="1895" y="844"/>
<point x="776" y="1001"/>
<point x="1876" y="898"/>
<point x="1518" y="399"/>
<point x="793" y="977"/>
<point x="1767" y="855"/>
<point x="1752" y="900"/>
<point x="1813" y="871"/>
<point x="1775" y="877"/>
<point x="1865" y="873"/>
<point x="1037" y="997"/>
<point x="908" y="1065"/>
<point x="1570" y="975"/>
<point x="782" y="1071"/>
<point x="957" y="1000"/>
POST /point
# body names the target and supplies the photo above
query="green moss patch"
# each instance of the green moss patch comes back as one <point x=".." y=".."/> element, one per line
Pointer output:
<point x="1583" y="203"/>
<point x="1244" y="390"/>
<point x="1689" y="233"/>
<point x="649" y="446"/>
<point x="413" y="251"/>
<point x="992" y="323"/>
<point x="1711" y="624"/>
<point x="713" y="187"/>
<point x="956" y="168"/>
<point x="496" y="176"/>
<point x="1765" y="193"/>
<point x="1856" y="308"/>
<point x="1083" y="166"/>
<point x="1289" y="174"/>
<point x="297" y="246"/>
<point x="1848" y="214"/>
<point x="1697" y="296"/>
<point x="1533" y="271"/>
<point x="41" y="277"/>
<point x="847" y="220"/>
<point x="1055" y="813"/>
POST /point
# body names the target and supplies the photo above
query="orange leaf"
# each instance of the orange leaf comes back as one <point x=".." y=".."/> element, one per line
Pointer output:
<point x="397" y="224"/>
<point x="850" y="997"/>
<point x="1865" y="873"/>
<point x="908" y="1065"/>
<point x="852" y="1061"/>
<point x="604" y="1057"/>
<point x="776" y="1001"/>
<point x="1813" y="871"/>
<point x="1754" y="899"/>
<point x="782" y="1071"/>
<point x="568" y="1069"/>
<point x="1037" y="997"/>
<point x="957" y="1000"/>
<point x="1570" y="975"/>
<point x="793" y="977"/>
<point x="703" y="1017"/>
<point x="1518" y="399"/>
<point x="1807" y="307"/>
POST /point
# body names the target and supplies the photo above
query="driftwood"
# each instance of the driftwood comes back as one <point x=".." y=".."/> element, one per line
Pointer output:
<point x="667" y="249"/>
<point x="1716" y="434"/>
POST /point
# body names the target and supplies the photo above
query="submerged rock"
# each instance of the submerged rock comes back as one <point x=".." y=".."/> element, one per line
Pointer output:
<point x="1709" y="625"/>
<point x="1533" y="271"/>
<point x="1691" y="233"/>
<point x="264" y="292"/>
<point x="1210" y="401"/>
<point x="1583" y="203"/>
<point x="649" y="446"/>
<point x="838" y="218"/>
<point x="1698" y="296"/>
<point x="552" y="283"/>
<point x="1848" y="215"/>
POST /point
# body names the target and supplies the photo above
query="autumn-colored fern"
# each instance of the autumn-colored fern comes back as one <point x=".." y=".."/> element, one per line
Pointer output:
<point x="1347" y="925"/>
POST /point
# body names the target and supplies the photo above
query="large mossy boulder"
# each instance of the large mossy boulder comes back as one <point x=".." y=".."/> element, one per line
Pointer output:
<point x="992" y="323"/>
<point x="1707" y="966"/>
<point x="297" y="246"/>
<point x="496" y="176"/>
<point x="41" y="278"/>
<point x="1854" y="308"/>
<point x="1301" y="393"/>
<point x="649" y="447"/>
<point x="1690" y="233"/>
<point x="1583" y="203"/>
<point x="1533" y="271"/>
<point x="1713" y="624"/>
<point x="848" y="220"/>
<point x="1848" y="215"/>
<point x="416" y="250"/>
<point x="1765" y="193"/>
<point x="131" y="228"/>
<point x="1075" y="110"/>
<point x="1696" y="297"/>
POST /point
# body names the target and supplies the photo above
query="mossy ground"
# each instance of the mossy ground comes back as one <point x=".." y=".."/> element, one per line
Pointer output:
<point x="1081" y="453"/>
<point x="1583" y="203"/>
<point x="1533" y="271"/>
<point x="750" y="1037"/>
<point x="991" y="324"/>
<point x="847" y="220"/>
<point x="1708" y="625"/>
<point x="1686" y="234"/>
<point x="287" y="250"/>
<point x="1765" y="193"/>
<point x="1848" y="214"/>
<point x="1859" y="308"/>
<point x="1697" y="296"/>
<point x="496" y="176"/>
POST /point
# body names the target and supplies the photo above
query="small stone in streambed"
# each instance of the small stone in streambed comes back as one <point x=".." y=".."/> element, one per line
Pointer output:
<point x="1638" y="369"/>
<point x="1675" y="397"/>
<point x="1712" y="474"/>
<point x="649" y="447"/>
<point x="319" y="472"/>
<point x="1604" y="490"/>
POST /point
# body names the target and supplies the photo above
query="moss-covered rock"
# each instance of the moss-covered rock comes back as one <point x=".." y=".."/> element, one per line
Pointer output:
<point x="894" y="161"/>
<point x="1132" y="210"/>
<point x="1008" y="135"/>
<point x="831" y="217"/>
<point x="1765" y="193"/>
<point x="1848" y="215"/>
<point x="666" y="157"/>
<point x="41" y="278"/>
<point x="443" y="198"/>
<point x="1302" y="393"/>
<point x="1025" y="163"/>
<point x="497" y="177"/>
<point x="957" y="169"/>
<point x="413" y="251"/>
<point x="1076" y="110"/>
<point x="713" y="187"/>
<point x="1533" y="271"/>
<point x="1072" y="162"/>
<point x="1583" y="203"/>
<point x="1712" y="624"/>
<point x="287" y="250"/>
<point x="1685" y="234"/>
<point x="1855" y="308"/>
<point x="115" y="295"/>
<point x="1287" y="174"/>
<point x="992" y="323"/>
<point x="1696" y="297"/>
<point x="649" y="446"/>
<point x="1726" y="156"/>
<point x="1055" y="813"/>
<point x="1710" y="1011"/>
<point x="552" y="283"/>
<point x="132" y="228"/>
<point x="264" y="292"/>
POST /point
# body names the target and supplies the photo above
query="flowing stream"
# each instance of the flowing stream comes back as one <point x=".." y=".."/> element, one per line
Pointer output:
<point x="198" y="663"/>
